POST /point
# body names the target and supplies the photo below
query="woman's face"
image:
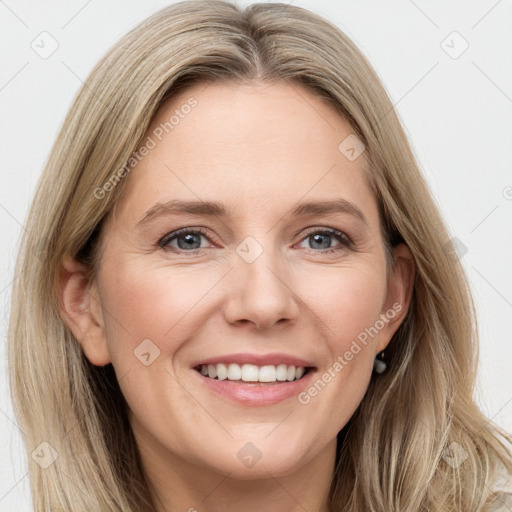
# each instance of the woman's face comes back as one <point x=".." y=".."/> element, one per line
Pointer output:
<point x="279" y="263"/>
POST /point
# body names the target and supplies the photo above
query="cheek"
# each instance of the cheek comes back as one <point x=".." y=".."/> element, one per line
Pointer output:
<point x="348" y="300"/>
<point x="149" y="314"/>
<point x="346" y="311"/>
<point x="166" y="304"/>
<point x="152" y="303"/>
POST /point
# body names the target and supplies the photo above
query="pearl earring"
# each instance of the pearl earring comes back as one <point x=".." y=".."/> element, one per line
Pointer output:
<point x="379" y="365"/>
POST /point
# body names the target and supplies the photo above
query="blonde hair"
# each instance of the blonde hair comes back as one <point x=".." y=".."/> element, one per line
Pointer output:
<point x="390" y="454"/>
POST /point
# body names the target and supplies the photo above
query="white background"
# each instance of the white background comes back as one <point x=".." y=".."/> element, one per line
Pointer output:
<point x="457" y="113"/>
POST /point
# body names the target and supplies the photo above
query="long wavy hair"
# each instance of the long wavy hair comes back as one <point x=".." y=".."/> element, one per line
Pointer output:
<point x="392" y="454"/>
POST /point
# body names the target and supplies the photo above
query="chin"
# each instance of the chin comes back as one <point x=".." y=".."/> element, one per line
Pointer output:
<point x="258" y="460"/>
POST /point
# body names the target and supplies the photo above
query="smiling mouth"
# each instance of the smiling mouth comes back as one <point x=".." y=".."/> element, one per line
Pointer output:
<point x="250" y="373"/>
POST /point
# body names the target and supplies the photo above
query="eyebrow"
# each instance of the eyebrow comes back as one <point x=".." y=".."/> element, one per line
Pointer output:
<point x="216" y="209"/>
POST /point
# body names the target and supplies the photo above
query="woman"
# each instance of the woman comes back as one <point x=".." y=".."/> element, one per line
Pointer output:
<point x="255" y="370"/>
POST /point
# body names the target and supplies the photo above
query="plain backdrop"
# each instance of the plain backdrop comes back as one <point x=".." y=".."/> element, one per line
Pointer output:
<point x="447" y="67"/>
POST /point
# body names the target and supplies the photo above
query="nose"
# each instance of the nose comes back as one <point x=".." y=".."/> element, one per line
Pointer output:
<point x="261" y="293"/>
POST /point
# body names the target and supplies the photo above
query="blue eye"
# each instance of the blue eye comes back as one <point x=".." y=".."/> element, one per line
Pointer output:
<point x="189" y="240"/>
<point x="323" y="236"/>
<point x="186" y="238"/>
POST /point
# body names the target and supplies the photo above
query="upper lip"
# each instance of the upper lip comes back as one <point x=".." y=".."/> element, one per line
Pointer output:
<point x="256" y="359"/>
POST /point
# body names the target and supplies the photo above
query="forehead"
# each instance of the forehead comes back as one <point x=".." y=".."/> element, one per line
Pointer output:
<point x="254" y="146"/>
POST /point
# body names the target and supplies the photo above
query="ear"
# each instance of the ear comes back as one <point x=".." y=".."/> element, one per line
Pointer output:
<point x="399" y="292"/>
<point x="80" y="308"/>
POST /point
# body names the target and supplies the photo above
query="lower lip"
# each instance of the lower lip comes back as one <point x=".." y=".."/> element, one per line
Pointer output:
<point x="257" y="394"/>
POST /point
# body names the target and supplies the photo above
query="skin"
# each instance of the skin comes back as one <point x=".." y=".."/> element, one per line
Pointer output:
<point x="259" y="149"/>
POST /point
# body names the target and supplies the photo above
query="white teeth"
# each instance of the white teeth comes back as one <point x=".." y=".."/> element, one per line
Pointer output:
<point x="281" y="372"/>
<point x="267" y="374"/>
<point x="252" y="373"/>
<point x="234" y="372"/>
<point x="222" y="372"/>
<point x="212" y="371"/>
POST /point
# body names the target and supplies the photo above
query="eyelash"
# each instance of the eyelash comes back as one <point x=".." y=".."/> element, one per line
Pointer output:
<point x="344" y="239"/>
